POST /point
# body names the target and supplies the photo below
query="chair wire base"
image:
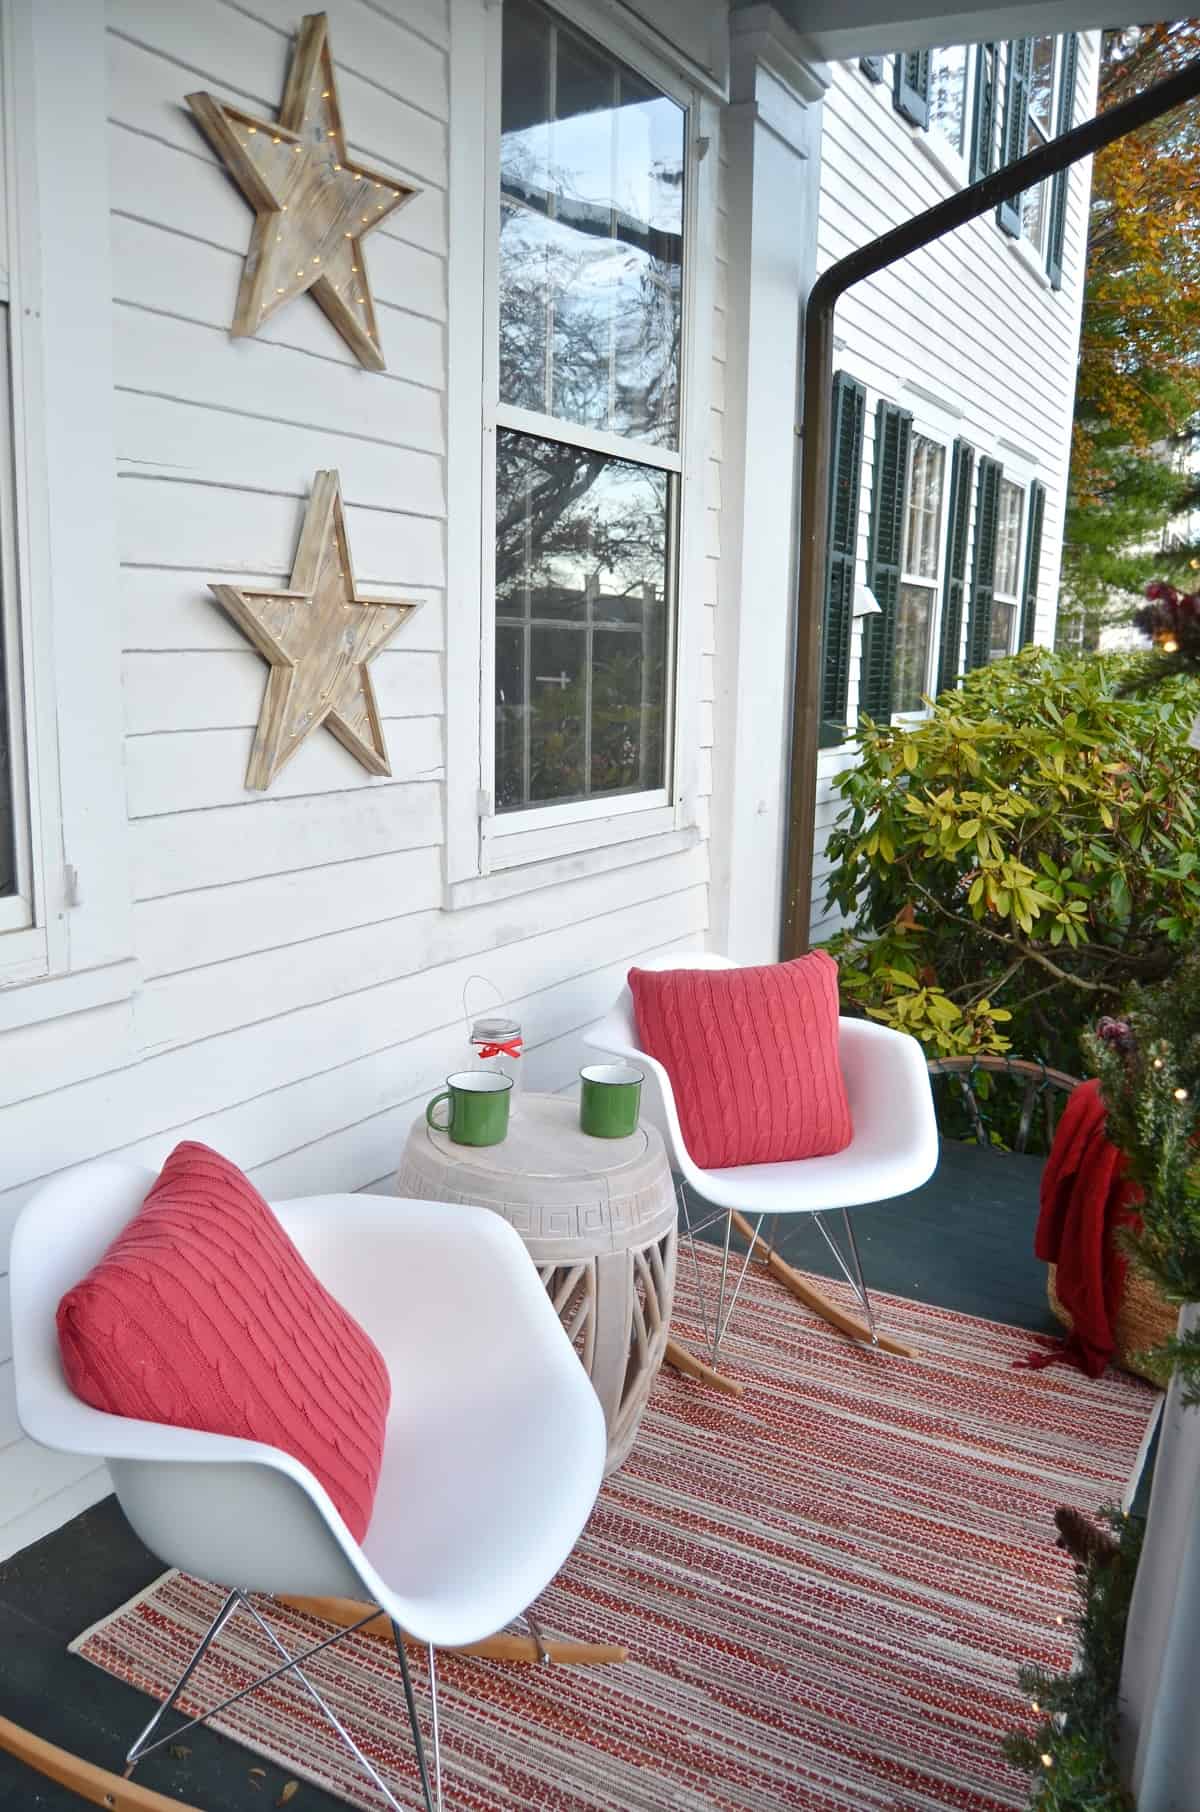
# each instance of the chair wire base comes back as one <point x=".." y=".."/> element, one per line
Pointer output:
<point x="237" y="1600"/>
<point x="715" y="1329"/>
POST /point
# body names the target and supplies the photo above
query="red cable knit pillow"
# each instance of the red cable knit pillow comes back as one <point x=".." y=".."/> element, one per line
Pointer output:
<point x="753" y="1058"/>
<point x="202" y="1314"/>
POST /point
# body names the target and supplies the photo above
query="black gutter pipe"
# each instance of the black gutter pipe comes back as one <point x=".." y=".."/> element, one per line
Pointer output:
<point x="867" y="261"/>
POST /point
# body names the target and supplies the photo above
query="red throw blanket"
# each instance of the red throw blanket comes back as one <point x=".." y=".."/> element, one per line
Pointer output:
<point x="1085" y="1196"/>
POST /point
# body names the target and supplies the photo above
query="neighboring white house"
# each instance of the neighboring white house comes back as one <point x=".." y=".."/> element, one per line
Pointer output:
<point x="580" y="460"/>
<point x="963" y="358"/>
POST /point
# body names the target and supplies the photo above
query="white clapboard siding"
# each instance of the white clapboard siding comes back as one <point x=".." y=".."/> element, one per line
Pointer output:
<point x="167" y="521"/>
<point x="165" y="356"/>
<point x="192" y="930"/>
<point x="275" y="835"/>
<point x="181" y="199"/>
<point x="155" y="264"/>
<point x="158" y="438"/>
<point x="191" y="771"/>
<point x="246" y="63"/>
<point x="300" y="985"/>
<point x="222" y="691"/>
<point x="174" y="609"/>
<point x="970" y="321"/>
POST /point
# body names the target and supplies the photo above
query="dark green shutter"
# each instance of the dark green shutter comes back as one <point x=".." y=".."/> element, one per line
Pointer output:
<point x="1060" y="188"/>
<point x="962" y="469"/>
<point x="910" y="95"/>
<point x="983" y="570"/>
<point x="983" y="118"/>
<point x="1016" y="122"/>
<point x="1033" y="560"/>
<point x="848" y="421"/>
<point x="872" y="67"/>
<point x="893" y="431"/>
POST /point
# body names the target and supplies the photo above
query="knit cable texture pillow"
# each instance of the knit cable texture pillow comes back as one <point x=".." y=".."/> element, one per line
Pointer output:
<point x="202" y="1314"/>
<point x="753" y="1058"/>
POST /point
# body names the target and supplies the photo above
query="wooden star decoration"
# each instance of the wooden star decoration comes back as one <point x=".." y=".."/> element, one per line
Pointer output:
<point x="314" y="206"/>
<point x="319" y="636"/>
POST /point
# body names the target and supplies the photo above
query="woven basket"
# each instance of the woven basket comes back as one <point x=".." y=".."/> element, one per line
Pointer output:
<point x="1144" y="1320"/>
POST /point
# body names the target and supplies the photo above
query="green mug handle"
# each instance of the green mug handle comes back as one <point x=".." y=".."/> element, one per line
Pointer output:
<point x="437" y="1124"/>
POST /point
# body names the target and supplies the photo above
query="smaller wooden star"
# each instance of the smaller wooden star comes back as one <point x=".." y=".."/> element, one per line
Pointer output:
<point x="314" y="205"/>
<point x="318" y="636"/>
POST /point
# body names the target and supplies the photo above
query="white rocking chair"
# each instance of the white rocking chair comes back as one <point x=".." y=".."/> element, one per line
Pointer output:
<point x="480" y="1501"/>
<point x="894" y="1149"/>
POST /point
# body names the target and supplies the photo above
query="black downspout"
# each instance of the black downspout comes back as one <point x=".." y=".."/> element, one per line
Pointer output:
<point x="922" y="229"/>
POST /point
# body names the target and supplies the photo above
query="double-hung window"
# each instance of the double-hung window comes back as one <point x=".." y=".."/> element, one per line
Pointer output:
<point x="1006" y="599"/>
<point x="948" y="84"/>
<point x="920" y="576"/>
<point x="590" y="288"/>
<point x="1039" y="130"/>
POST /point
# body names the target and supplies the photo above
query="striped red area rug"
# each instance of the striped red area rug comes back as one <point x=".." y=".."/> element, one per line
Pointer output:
<point x="826" y="1589"/>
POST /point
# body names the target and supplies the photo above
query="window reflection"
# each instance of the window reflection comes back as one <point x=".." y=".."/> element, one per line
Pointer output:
<point x="591" y="234"/>
<point x="948" y="92"/>
<point x="582" y="579"/>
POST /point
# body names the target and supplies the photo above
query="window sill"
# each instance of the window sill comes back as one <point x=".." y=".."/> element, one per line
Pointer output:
<point x="32" y="1000"/>
<point x="950" y="163"/>
<point x="1032" y="260"/>
<point x="554" y="870"/>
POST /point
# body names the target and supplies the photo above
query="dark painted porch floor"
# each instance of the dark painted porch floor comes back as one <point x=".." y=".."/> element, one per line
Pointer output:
<point x="965" y="1240"/>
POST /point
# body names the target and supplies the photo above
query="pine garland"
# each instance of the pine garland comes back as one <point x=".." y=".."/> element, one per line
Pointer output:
<point x="1072" y="1755"/>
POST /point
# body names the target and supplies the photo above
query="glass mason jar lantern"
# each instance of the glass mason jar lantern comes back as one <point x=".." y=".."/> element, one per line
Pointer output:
<point x="496" y="1045"/>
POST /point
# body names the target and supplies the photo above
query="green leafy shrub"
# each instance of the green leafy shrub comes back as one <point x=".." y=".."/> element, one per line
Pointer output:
<point x="1013" y="862"/>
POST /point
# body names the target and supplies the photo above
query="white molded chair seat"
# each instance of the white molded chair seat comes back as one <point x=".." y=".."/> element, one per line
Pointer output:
<point x="894" y="1148"/>
<point x="494" y="1448"/>
<point x="495" y="1439"/>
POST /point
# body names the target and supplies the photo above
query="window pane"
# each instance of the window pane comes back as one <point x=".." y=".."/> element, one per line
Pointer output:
<point x="582" y="583"/>
<point x="1002" y="629"/>
<point x="914" y="620"/>
<point x="1008" y="537"/>
<point x="948" y="93"/>
<point x="591" y="234"/>
<point x="1033" y="214"/>
<point x="1041" y="84"/>
<point x="923" y="548"/>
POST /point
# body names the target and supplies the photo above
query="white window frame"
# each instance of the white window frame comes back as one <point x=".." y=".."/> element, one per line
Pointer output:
<point x="489" y="855"/>
<point x="57" y="522"/>
<point x="924" y="430"/>
<point x="1013" y="598"/>
<point x="954" y="162"/>
<point x="1038" y="246"/>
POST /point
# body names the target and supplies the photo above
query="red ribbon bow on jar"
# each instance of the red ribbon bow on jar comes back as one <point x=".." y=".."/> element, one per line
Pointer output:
<point x="511" y="1049"/>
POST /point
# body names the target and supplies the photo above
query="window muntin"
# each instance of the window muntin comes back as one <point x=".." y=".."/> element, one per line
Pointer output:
<point x="948" y="93"/>
<point x="1038" y="130"/>
<point x="590" y="278"/>
<point x="1010" y="511"/>
<point x="922" y="567"/>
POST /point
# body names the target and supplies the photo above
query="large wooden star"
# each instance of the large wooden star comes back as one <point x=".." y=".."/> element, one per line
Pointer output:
<point x="314" y="205"/>
<point x="318" y="636"/>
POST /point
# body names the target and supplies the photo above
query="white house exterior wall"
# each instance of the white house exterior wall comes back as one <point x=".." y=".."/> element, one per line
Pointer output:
<point x="970" y="323"/>
<point x="301" y="984"/>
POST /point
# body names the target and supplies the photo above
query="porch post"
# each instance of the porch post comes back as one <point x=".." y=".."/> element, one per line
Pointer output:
<point x="773" y="134"/>
<point x="1160" y="1732"/>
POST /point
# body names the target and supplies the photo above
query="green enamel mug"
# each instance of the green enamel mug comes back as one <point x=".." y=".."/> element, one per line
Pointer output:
<point x="610" y="1100"/>
<point x="478" y="1111"/>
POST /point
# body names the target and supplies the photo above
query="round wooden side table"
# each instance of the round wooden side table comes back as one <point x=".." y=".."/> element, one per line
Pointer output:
<point x="598" y="1217"/>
